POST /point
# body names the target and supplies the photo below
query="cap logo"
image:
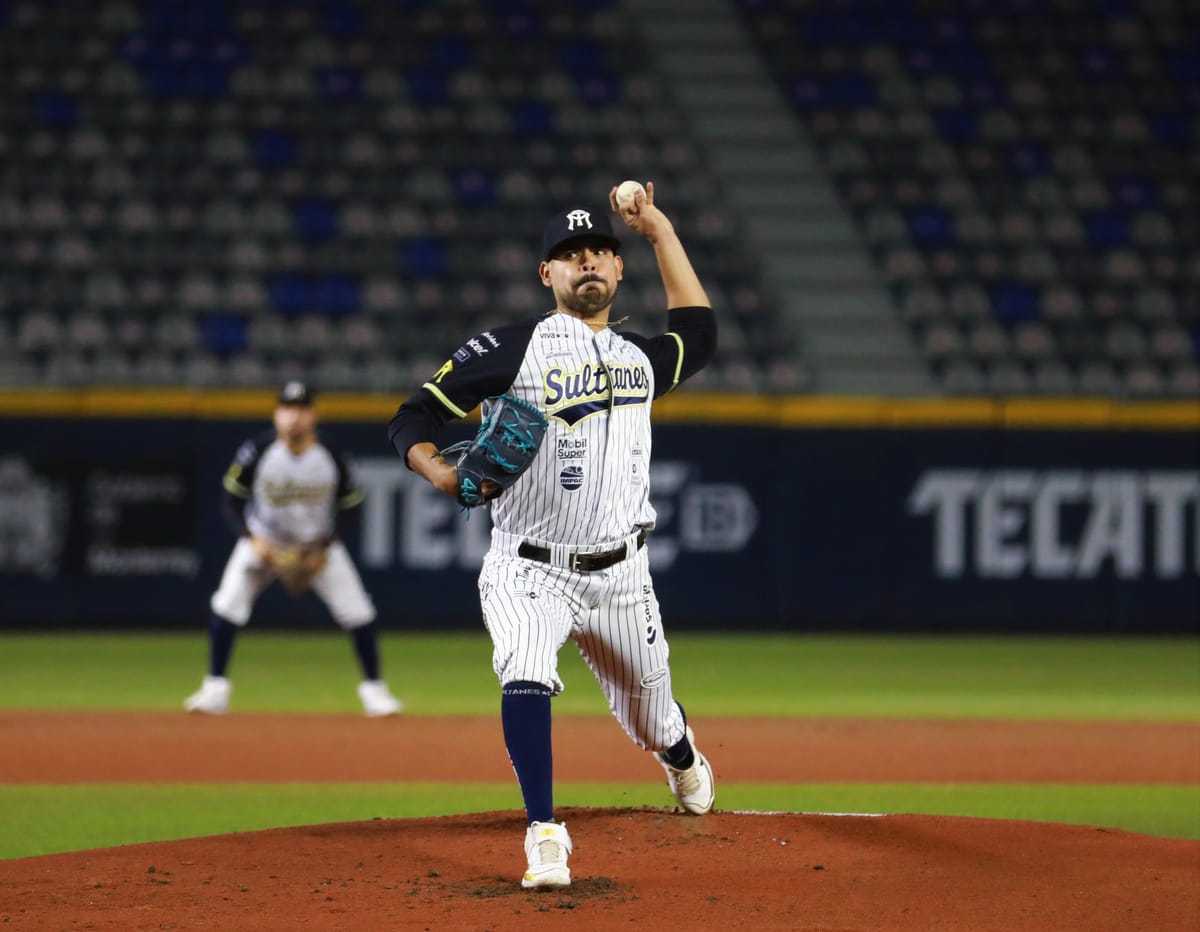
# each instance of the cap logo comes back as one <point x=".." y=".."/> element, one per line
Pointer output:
<point x="578" y="219"/>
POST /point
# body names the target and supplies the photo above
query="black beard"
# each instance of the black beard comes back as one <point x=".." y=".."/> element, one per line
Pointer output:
<point x="591" y="302"/>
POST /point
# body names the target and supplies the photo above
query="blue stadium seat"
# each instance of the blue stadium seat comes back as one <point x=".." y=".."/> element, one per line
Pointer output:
<point x="581" y="55"/>
<point x="532" y="118"/>
<point x="1029" y="158"/>
<point x="474" y="186"/>
<point x="1013" y="302"/>
<point x="984" y="91"/>
<point x="340" y="84"/>
<point x="289" y="294"/>
<point x="1172" y="129"/>
<point x="56" y="110"/>
<point x="930" y="226"/>
<point x="957" y="125"/>
<point x="273" y="149"/>
<point x="224" y="334"/>
<point x="451" y="53"/>
<point x="337" y="295"/>
<point x="1105" y="228"/>
<point x="1099" y="63"/>
<point x="1134" y="193"/>
<point x="342" y="20"/>
<point x="424" y="257"/>
<point x="427" y="86"/>
<point x="844" y="90"/>
<point x="187" y="19"/>
<point x="315" y="219"/>
<point x="599" y="88"/>
<point x="517" y="21"/>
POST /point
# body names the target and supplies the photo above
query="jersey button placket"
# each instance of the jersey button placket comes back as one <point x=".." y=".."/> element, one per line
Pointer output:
<point x="597" y="340"/>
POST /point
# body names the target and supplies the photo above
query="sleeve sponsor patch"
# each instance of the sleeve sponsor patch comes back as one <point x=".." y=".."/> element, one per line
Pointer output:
<point x="477" y="346"/>
<point x="246" y="454"/>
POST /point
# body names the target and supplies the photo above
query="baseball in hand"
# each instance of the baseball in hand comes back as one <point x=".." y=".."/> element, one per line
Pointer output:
<point x="627" y="191"/>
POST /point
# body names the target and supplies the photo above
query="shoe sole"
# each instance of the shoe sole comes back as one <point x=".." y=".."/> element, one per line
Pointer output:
<point x="554" y="879"/>
<point x="377" y="713"/>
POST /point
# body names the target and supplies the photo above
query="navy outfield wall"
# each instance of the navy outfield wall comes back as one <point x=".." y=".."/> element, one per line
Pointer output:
<point x="797" y="514"/>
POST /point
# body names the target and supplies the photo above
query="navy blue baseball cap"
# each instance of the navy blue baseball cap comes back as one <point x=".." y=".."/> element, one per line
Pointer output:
<point x="577" y="223"/>
<point x="296" y="393"/>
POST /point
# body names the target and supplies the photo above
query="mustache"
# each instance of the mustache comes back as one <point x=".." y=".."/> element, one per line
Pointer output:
<point x="589" y="277"/>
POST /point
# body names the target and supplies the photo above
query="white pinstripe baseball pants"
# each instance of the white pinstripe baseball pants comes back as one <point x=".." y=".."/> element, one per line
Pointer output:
<point x="531" y="609"/>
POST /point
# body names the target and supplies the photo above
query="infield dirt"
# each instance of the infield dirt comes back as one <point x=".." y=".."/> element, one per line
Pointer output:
<point x="650" y="868"/>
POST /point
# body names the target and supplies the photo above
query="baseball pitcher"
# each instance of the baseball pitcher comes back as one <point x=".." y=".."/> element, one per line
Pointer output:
<point x="569" y="498"/>
<point x="285" y="494"/>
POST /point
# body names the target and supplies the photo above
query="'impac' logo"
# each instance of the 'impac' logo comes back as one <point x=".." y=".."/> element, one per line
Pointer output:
<point x="571" y="478"/>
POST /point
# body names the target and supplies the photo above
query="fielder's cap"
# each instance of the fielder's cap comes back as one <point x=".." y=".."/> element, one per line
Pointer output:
<point x="577" y="223"/>
<point x="296" y="393"/>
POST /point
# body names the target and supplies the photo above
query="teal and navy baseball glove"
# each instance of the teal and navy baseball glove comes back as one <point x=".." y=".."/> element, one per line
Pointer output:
<point x="504" y="446"/>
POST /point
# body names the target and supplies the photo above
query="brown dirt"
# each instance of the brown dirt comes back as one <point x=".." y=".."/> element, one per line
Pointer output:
<point x="108" y="747"/>
<point x="643" y="867"/>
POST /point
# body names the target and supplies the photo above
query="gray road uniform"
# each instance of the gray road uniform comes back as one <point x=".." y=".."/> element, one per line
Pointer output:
<point x="568" y="556"/>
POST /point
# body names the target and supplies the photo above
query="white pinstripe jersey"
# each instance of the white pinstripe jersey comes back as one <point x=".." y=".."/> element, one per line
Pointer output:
<point x="589" y="482"/>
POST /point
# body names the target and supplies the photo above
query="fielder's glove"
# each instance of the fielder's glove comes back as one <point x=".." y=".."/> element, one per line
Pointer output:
<point x="296" y="567"/>
<point x="504" y="446"/>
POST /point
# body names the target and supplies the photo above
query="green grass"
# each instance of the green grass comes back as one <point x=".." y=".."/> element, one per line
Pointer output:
<point x="787" y="675"/>
<point x="49" y="819"/>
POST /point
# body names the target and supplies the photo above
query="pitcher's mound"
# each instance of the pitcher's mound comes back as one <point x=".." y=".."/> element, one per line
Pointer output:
<point x="632" y="868"/>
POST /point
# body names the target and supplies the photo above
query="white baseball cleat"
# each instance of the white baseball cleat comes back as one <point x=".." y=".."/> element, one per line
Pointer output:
<point x="377" y="699"/>
<point x="547" y="845"/>
<point x="694" y="788"/>
<point x="212" y="697"/>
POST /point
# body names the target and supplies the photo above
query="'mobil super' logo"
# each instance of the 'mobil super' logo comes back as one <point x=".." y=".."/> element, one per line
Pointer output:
<point x="570" y="396"/>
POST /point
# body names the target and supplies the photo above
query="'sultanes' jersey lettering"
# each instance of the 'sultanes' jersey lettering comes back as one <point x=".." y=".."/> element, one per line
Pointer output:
<point x="572" y="396"/>
<point x="591" y="382"/>
<point x="282" y="494"/>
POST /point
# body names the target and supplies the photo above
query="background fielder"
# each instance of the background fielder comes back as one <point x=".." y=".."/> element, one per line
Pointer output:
<point x="568" y="556"/>
<point x="286" y="493"/>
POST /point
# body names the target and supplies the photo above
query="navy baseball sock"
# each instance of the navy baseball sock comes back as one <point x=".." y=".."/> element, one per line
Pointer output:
<point x="680" y="754"/>
<point x="366" y="648"/>
<point x="220" y="644"/>
<point x="525" y="714"/>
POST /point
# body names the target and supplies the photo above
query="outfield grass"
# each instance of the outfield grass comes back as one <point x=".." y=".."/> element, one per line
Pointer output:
<point x="928" y="677"/>
<point x="49" y="819"/>
<point x="1150" y="679"/>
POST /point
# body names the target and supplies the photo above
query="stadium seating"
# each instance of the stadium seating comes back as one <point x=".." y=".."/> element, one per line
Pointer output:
<point x="207" y="192"/>
<point x="200" y="191"/>
<point x="1023" y="174"/>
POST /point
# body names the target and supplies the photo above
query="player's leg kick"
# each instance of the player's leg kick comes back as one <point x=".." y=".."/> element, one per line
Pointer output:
<point x="635" y="676"/>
